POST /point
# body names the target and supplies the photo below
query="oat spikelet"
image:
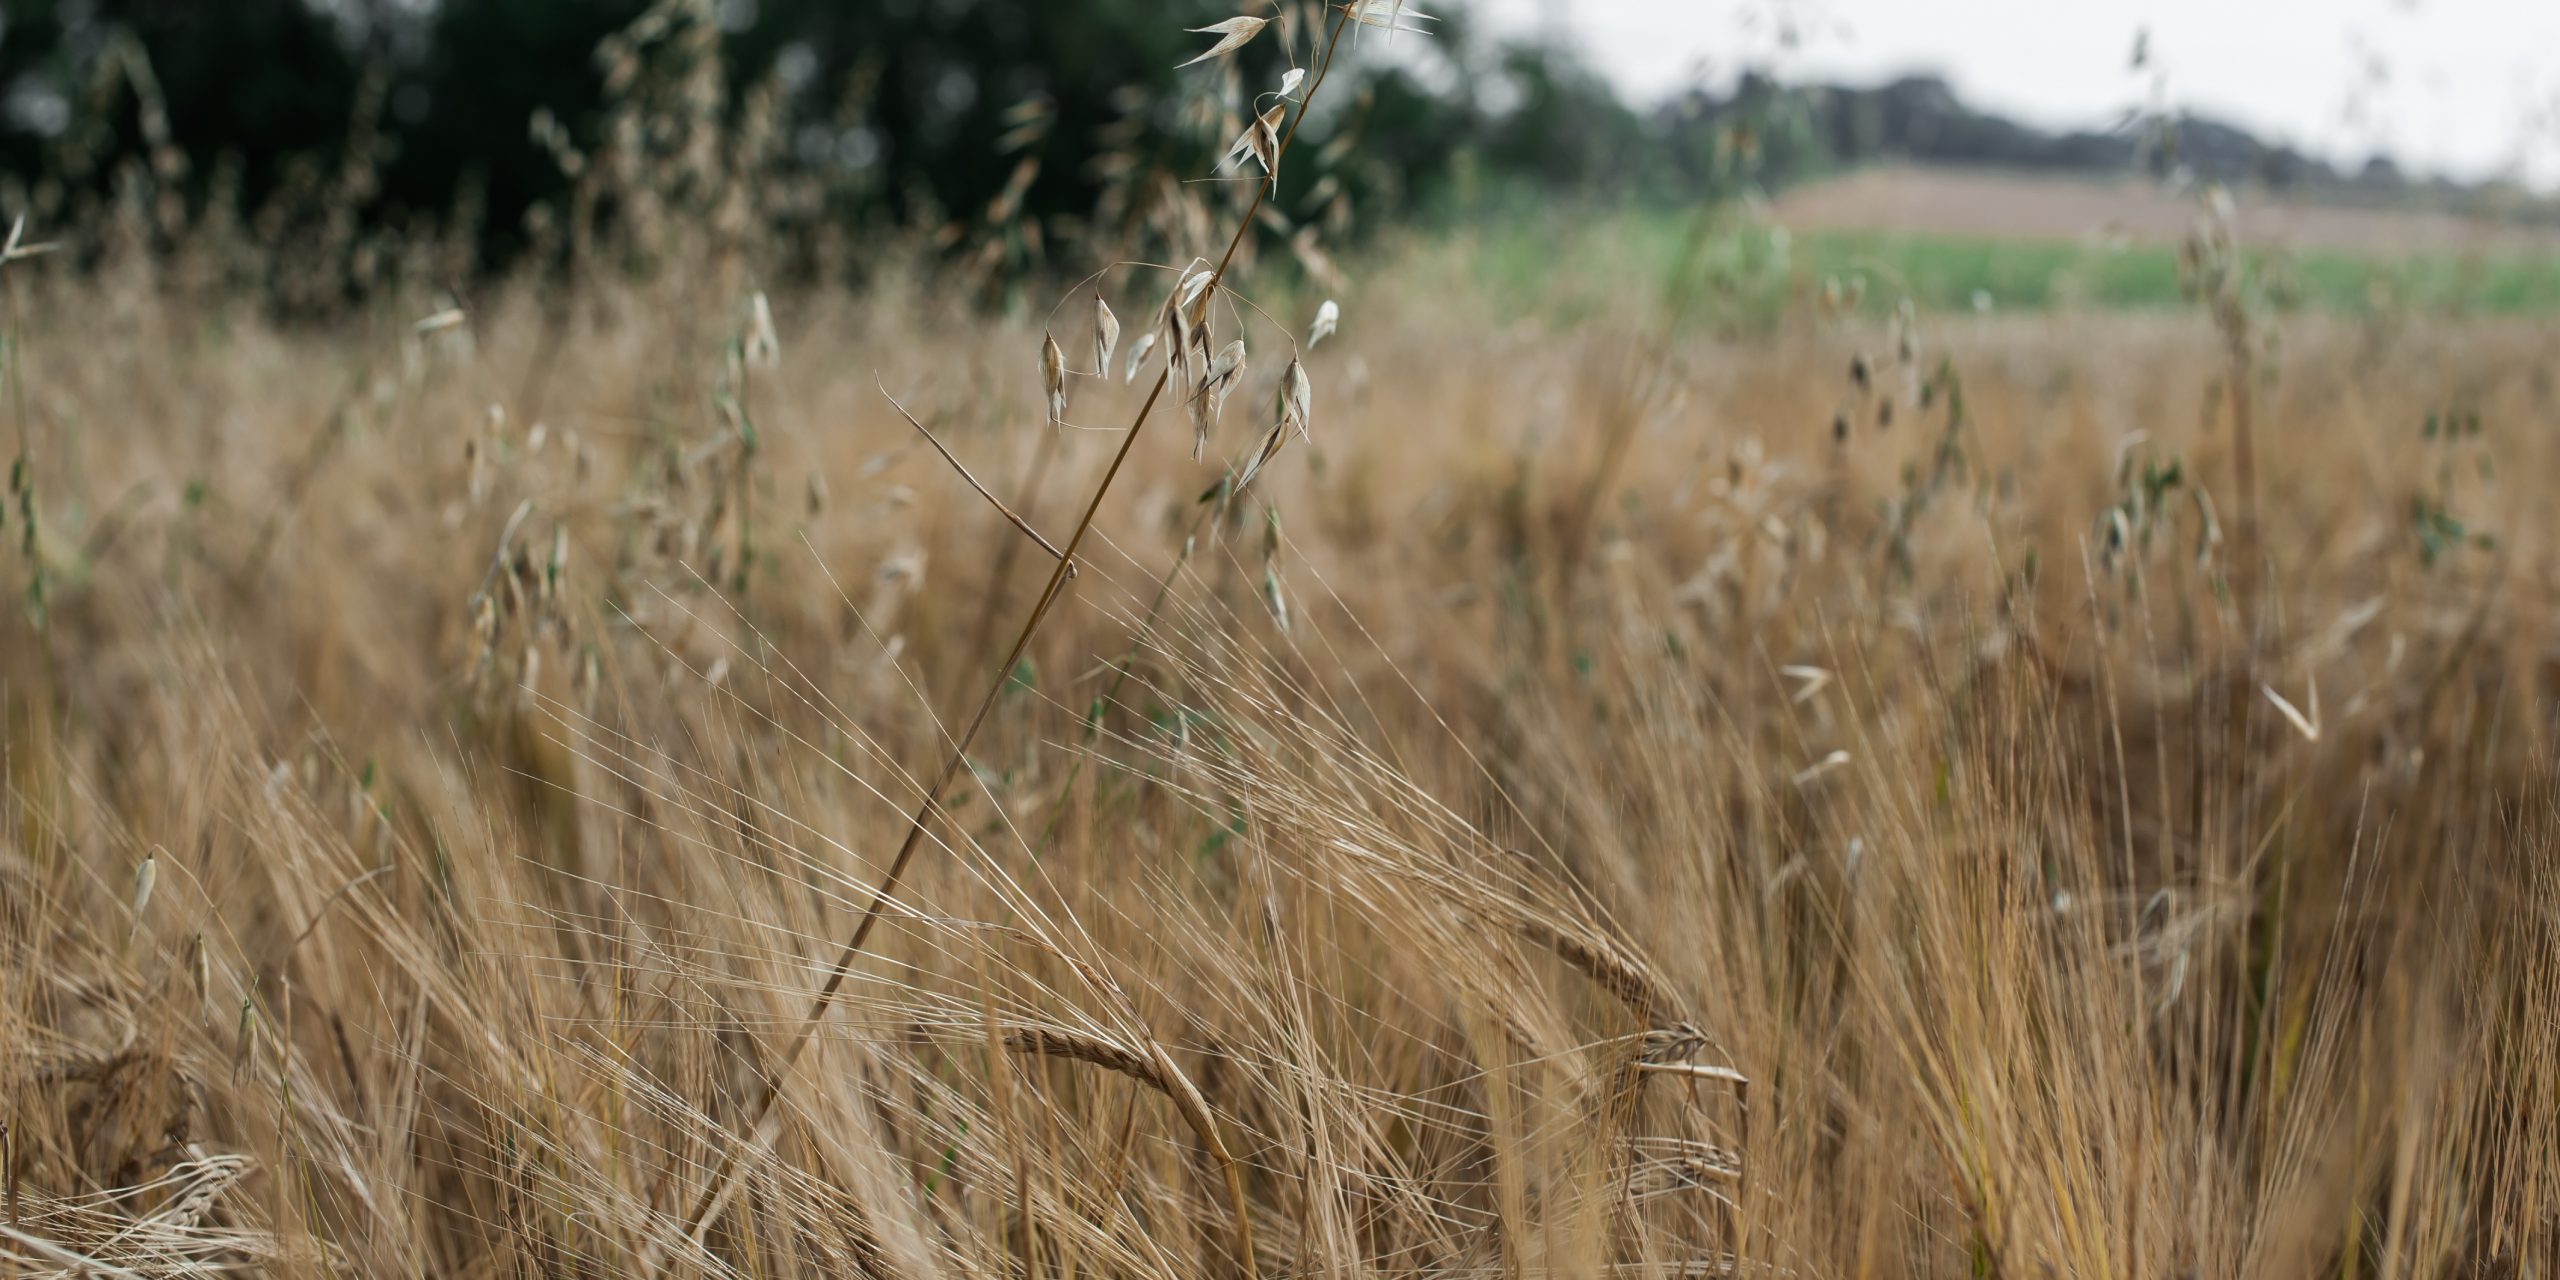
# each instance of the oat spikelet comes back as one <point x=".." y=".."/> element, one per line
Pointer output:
<point x="17" y="247"/>
<point x="1233" y="34"/>
<point x="144" y="877"/>
<point x="1810" y="682"/>
<point x="1053" y="378"/>
<point x="1210" y="397"/>
<point x="556" y="568"/>
<point x="1265" y="136"/>
<point x="1272" y="442"/>
<point x="1184" y="324"/>
<point x="2308" y="726"/>
<point x="1389" y="15"/>
<point x="1228" y="367"/>
<point x="1138" y="354"/>
<point x="1820" y="767"/>
<point x="1297" y="399"/>
<point x="1195" y="282"/>
<point x="1106" y="336"/>
<point x="1328" y="317"/>
<point x="1261" y="141"/>
<point x="763" y="344"/>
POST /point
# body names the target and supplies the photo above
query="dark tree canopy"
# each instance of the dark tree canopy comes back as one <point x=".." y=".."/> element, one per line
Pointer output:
<point x="409" y="114"/>
<point x="904" y="110"/>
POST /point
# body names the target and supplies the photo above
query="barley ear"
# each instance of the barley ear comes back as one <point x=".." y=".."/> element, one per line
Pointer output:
<point x="1155" y="1069"/>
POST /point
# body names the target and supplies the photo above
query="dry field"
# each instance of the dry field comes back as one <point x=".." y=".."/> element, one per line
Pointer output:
<point x="423" y="845"/>
<point x="579" y="784"/>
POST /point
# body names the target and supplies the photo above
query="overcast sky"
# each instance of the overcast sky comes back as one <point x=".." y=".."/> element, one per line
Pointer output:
<point x="2469" y="88"/>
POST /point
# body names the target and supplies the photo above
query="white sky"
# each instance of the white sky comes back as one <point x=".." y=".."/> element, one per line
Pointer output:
<point x="2468" y="88"/>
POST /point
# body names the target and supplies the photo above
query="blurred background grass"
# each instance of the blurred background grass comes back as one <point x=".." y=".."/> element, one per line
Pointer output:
<point x="1570" y="266"/>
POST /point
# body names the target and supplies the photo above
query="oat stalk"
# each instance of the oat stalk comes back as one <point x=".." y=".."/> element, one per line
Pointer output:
<point x="992" y="500"/>
<point x="724" y="1181"/>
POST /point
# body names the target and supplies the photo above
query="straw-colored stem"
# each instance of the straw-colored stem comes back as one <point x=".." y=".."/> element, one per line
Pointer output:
<point x="724" y="1181"/>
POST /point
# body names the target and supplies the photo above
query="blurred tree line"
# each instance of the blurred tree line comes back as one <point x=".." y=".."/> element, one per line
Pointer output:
<point x="1005" y="130"/>
<point x="414" y="114"/>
